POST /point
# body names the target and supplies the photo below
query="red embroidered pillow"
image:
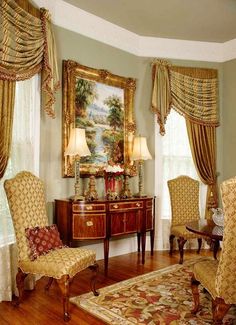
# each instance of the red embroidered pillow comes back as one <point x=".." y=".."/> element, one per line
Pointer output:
<point x="42" y="240"/>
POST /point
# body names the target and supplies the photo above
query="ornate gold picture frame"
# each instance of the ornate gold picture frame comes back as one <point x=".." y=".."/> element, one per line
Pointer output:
<point x="101" y="103"/>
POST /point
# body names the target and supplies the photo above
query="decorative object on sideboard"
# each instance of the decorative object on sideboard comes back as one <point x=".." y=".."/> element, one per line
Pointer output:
<point x="218" y="216"/>
<point x="91" y="194"/>
<point x="140" y="153"/>
<point x="126" y="192"/>
<point x="77" y="148"/>
<point x="113" y="176"/>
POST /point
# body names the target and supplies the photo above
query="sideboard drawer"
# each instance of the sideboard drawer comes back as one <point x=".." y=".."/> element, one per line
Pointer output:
<point x="88" y="226"/>
<point x="86" y="207"/>
<point x="120" y="206"/>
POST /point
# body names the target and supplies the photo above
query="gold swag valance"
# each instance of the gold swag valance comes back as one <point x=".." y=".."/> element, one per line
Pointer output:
<point x="27" y="46"/>
<point x="193" y="92"/>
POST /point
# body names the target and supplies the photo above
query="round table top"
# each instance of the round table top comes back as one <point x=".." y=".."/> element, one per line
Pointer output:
<point x="206" y="228"/>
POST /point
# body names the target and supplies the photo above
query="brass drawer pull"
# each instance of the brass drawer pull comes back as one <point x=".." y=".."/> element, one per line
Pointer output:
<point x="89" y="223"/>
<point x="89" y="207"/>
<point x="115" y="206"/>
<point x="138" y="204"/>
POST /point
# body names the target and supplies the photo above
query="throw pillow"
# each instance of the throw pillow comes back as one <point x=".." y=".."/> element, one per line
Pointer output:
<point x="42" y="240"/>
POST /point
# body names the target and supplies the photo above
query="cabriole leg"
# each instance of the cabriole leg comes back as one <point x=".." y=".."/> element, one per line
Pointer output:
<point x="199" y="244"/>
<point x="171" y="240"/>
<point x="64" y="285"/>
<point x="48" y="285"/>
<point x="20" y="277"/>
<point x="181" y="242"/>
<point x="195" y="292"/>
<point x="94" y="269"/>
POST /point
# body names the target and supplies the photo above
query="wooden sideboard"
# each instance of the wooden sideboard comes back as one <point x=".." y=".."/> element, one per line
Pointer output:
<point x="103" y="219"/>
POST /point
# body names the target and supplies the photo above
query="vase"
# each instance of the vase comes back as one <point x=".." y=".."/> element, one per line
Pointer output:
<point x="113" y="185"/>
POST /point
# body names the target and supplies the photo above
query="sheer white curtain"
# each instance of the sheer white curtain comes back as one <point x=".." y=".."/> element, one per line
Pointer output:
<point x="174" y="159"/>
<point x="24" y="156"/>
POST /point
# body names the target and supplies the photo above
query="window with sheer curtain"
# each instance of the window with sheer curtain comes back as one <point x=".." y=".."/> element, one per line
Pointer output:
<point x="176" y="158"/>
<point x="173" y="159"/>
<point x="25" y="146"/>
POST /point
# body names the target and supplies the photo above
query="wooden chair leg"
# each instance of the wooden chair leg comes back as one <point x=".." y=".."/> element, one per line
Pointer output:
<point x="94" y="269"/>
<point x="48" y="285"/>
<point x="171" y="240"/>
<point x="195" y="292"/>
<point x="181" y="242"/>
<point x="219" y="310"/>
<point x="138" y="241"/>
<point x="20" y="277"/>
<point x="64" y="285"/>
<point x="199" y="244"/>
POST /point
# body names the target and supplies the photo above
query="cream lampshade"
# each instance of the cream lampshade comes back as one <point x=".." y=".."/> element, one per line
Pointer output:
<point x="140" y="153"/>
<point x="77" y="147"/>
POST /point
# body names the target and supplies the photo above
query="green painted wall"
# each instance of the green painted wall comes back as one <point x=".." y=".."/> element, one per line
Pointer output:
<point x="98" y="55"/>
<point x="229" y="119"/>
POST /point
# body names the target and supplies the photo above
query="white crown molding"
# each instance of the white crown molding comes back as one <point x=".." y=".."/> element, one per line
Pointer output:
<point x="89" y="25"/>
<point x="229" y="50"/>
<point x="180" y="49"/>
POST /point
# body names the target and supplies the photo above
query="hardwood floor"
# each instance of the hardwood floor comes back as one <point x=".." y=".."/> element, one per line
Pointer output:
<point x="42" y="308"/>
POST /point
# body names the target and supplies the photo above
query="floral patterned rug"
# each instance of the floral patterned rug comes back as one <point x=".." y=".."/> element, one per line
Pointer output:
<point x="160" y="297"/>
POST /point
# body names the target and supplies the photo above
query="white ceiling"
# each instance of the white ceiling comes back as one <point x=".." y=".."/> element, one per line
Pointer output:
<point x="196" y="20"/>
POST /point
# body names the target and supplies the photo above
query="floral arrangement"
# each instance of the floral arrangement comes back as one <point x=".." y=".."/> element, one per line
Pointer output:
<point x="113" y="175"/>
<point x="114" y="169"/>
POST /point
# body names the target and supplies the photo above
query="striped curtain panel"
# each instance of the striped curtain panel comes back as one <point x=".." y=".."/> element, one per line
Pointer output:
<point x="192" y="92"/>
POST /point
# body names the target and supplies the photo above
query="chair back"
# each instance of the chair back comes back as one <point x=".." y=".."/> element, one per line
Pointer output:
<point x="26" y="200"/>
<point x="184" y="198"/>
<point x="226" y="272"/>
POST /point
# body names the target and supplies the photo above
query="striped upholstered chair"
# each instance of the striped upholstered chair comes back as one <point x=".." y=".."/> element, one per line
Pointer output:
<point x="219" y="277"/>
<point x="184" y="198"/>
<point x="25" y="194"/>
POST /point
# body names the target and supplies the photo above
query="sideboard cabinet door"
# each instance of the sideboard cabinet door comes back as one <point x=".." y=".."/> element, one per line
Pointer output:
<point x="88" y="226"/>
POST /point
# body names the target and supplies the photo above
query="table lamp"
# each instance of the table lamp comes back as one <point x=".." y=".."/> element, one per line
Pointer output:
<point x="140" y="153"/>
<point x="77" y="147"/>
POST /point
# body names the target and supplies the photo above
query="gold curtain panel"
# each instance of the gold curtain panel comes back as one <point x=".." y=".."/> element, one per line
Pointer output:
<point x="7" y="97"/>
<point x="27" y="46"/>
<point x="27" y="6"/>
<point x="192" y="92"/>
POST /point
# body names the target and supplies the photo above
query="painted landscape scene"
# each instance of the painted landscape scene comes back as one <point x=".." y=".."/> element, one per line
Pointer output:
<point x="99" y="108"/>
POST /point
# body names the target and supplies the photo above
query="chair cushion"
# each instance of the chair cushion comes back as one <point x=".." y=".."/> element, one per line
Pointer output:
<point x="42" y="240"/>
<point x="181" y="231"/>
<point x="205" y="273"/>
<point x="59" y="262"/>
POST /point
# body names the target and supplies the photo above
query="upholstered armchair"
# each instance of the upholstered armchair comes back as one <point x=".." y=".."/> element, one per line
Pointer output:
<point x="219" y="277"/>
<point x="25" y="194"/>
<point x="184" y="198"/>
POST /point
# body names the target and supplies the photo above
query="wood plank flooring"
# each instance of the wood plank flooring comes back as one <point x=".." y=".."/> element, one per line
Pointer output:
<point x="42" y="308"/>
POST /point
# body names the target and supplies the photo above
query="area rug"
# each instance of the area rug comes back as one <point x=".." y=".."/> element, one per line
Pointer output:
<point x="160" y="297"/>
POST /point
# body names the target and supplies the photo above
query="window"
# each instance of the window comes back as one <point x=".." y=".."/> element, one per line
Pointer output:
<point x="25" y="146"/>
<point x="175" y="160"/>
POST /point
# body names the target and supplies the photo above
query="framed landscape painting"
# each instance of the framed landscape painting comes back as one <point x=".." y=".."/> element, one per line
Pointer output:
<point x="102" y="104"/>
